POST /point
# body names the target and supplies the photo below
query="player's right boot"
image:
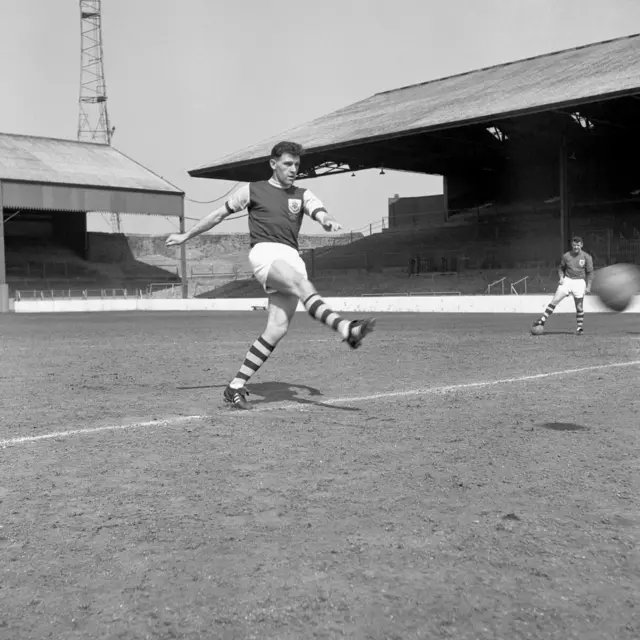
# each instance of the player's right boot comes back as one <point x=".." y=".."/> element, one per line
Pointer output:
<point x="237" y="397"/>
<point x="358" y="329"/>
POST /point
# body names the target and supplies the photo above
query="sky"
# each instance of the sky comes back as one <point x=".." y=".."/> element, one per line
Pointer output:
<point x="190" y="81"/>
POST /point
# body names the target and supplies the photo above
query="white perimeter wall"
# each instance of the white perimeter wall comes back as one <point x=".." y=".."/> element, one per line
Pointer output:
<point x="532" y="304"/>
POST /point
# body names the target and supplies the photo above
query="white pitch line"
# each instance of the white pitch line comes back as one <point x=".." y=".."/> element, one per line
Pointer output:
<point x="448" y="388"/>
<point x="328" y="401"/>
<point x="110" y="427"/>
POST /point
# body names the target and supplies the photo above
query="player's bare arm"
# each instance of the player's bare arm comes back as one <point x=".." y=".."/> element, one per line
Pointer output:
<point x="561" y="271"/>
<point x="590" y="272"/>
<point x="314" y="208"/>
<point x="208" y="222"/>
<point x="237" y="202"/>
<point x="328" y="223"/>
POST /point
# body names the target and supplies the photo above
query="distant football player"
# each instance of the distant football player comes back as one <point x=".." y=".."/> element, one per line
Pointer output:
<point x="276" y="208"/>
<point x="576" y="274"/>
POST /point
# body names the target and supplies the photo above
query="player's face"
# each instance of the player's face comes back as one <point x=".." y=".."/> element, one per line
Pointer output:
<point x="285" y="168"/>
<point x="576" y="246"/>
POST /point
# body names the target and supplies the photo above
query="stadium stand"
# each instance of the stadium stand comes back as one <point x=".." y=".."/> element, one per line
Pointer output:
<point x="47" y="186"/>
<point x="530" y="152"/>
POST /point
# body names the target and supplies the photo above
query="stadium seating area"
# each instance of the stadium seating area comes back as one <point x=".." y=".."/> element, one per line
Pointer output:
<point x="37" y="266"/>
<point x="496" y="254"/>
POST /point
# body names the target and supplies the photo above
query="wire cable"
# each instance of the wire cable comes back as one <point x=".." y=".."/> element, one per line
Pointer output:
<point x="215" y="199"/>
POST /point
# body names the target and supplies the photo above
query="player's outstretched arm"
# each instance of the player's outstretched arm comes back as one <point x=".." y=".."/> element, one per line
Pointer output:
<point x="208" y="222"/>
<point x="590" y="272"/>
<point x="237" y="202"/>
<point x="314" y="208"/>
<point x="327" y="222"/>
<point x="561" y="269"/>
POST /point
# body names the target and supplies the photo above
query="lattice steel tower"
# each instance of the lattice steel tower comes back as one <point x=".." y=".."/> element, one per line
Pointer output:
<point x="93" y="120"/>
<point x="93" y="117"/>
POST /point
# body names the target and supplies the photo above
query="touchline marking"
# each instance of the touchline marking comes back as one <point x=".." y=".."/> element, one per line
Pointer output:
<point x="111" y="427"/>
<point x="329" y="401"/>
<point x="448" y="388"/>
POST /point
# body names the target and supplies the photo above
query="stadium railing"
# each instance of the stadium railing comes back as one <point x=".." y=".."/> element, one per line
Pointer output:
<point x="77" y="294"/>
<point x="514" y="290"/>
<point x="497" y="283"/>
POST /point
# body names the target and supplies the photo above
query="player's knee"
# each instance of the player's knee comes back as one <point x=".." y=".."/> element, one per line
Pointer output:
<point x="276" y="330"/>
<point x="296" y="284"/>
<point x="302" y="286"/>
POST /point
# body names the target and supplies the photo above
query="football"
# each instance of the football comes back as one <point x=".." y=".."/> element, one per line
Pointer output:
<point x="616" y="285"/>
<point x="537" y="330"/>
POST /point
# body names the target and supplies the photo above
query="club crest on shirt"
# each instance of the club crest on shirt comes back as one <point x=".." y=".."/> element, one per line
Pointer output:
<point x="581" y="262"/>
<point x="295" y="205"/>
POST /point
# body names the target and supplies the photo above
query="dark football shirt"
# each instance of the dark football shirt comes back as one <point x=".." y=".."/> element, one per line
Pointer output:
<point x="275" y="212"/>
<point x="577" y="267"/>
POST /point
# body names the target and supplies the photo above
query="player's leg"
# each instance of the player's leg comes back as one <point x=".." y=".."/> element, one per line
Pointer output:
<point x="285" y="278"/>
<point x="579" y="315"/>
<point x="280" y="312"/>
<point x="578" y="290"/>
<point x="558" y="297"/>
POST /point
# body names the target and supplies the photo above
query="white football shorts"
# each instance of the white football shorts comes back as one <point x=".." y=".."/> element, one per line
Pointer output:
<point x="264" y="254"/>
<point x="573" y="287"/>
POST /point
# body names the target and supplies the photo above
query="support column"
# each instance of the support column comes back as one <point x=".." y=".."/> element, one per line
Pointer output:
<point x="4" y="287"/>
<point x="183" y="258"/>
<point x="445" y="198"/>
<point x="565" y="205"/>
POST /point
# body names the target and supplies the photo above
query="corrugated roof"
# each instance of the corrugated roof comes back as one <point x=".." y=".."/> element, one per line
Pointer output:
<point x="573" y="76"/>
<point x="50" y="160"/>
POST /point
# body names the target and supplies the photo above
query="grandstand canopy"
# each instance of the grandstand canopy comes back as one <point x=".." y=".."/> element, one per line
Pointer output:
<point x="64" y="175"/>
<point x="461" y="121"/>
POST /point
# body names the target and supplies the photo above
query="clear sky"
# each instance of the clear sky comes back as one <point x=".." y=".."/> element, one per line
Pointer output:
<point x="189" y="81"/>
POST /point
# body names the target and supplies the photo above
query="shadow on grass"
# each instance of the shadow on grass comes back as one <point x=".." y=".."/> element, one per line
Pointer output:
<point x="272" y="392"/>
<point x="564" y="426"/>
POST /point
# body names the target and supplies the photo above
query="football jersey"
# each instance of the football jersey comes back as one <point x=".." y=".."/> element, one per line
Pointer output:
<point x="275" y="212"/>
<point x="576" y="267"/>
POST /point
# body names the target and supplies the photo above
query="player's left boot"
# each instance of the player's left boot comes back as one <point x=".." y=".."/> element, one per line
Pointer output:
<point x="579" y="331"/>
<point x="358" y="329"/>
<point x="237" y="397"/>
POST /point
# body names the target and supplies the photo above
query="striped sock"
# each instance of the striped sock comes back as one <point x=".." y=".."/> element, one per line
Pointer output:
<point x="547" y="312"/>
<point x="580" y="319"/>
<point x="257" y="355"/>
<point x="319" y="310"/>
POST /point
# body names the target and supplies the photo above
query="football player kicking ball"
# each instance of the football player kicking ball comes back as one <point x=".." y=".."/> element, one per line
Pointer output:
<point x="276" y="208"/>
<point x="576" y="274"/>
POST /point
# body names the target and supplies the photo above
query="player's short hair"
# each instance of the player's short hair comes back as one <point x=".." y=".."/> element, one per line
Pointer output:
<point x="292" y="148"/>
<point x="576" y="239"/>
